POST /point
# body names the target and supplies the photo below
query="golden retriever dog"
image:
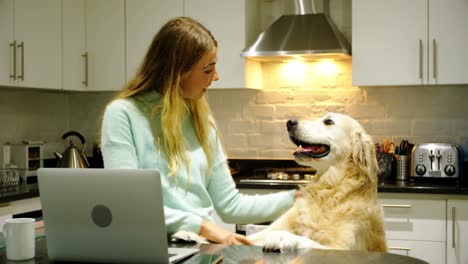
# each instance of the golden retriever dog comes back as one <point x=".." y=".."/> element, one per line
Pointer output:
<point x="338" y="208"/>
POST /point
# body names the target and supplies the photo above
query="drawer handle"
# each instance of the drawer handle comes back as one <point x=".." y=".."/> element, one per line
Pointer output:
<point x="400" y="248"/>
<point x="396" y="205"/>
<point x="453" y="226"/>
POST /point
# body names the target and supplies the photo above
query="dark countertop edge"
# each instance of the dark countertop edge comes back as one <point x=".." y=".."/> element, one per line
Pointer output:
<point x="384" y="187"/>
<point x="20" y="193"/>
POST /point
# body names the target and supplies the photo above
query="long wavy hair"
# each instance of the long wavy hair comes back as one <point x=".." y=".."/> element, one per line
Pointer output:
<point x="174" y="50"/>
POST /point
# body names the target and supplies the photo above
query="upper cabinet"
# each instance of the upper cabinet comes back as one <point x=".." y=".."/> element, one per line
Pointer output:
<point x="410" y="42"/>
<point x="144" y="18"/>
<point x="227" y="20"/>
<point x="31" y="43"/>
<point x="94" y="45"/>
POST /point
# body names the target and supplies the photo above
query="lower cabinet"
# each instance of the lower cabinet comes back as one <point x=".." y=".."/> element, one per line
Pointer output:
<point x="457" y="231"/>
<point x="415" y="227"/>
<point x="431" y="227"/>
<point x="432" y="252"/>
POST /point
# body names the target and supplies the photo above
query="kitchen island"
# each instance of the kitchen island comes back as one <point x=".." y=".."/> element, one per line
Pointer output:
<point x="253" y="254"/>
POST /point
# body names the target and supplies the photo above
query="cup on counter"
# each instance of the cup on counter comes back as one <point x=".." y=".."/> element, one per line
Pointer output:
<point x="20" y="238"/>
<point x="402" y="168"/>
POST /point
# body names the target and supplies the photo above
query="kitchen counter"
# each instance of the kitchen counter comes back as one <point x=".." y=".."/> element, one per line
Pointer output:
<point x="383" y="187"/>
<point x="253" y="254"/>
<point x="19" y="193"/>
<point x="32" y="190"/>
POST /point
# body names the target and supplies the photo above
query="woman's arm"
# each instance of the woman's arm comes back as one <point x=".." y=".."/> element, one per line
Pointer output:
<point x="234" y="207"/>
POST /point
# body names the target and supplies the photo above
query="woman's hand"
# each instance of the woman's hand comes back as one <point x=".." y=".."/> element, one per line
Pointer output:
<point x="217" y="234"/>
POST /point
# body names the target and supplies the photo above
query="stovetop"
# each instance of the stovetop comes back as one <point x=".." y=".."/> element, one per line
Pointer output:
<point x="270" y="172"/>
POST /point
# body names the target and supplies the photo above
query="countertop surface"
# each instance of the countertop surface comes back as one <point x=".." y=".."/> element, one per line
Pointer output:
<point x="253" y="254"/>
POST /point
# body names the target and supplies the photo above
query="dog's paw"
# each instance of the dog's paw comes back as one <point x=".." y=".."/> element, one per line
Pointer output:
<point x="284" y="241"/>
<point x="187" y="236"/>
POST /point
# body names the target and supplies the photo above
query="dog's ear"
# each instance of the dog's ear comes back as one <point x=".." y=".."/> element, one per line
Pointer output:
<point x="364" y="154"/>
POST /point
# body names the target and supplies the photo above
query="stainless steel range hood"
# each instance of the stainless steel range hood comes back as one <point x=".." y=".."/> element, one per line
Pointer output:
<point x="307" y="34"/>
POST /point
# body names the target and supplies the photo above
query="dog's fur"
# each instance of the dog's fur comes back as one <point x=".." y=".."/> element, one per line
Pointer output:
<point x="338" y="209"/>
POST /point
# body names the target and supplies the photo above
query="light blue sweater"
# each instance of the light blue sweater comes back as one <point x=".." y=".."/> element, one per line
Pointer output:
<point x="127" y="142"/>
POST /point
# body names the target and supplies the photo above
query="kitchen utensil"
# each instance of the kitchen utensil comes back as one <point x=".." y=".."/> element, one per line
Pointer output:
<point x="73" y="157"/>
<point x="388" y="146"/>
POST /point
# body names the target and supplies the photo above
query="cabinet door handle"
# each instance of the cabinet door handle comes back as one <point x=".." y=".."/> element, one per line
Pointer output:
<point x="453" y="226"/>
<point x="14" y="60"/>
<point x="396" y="205"/>
<point x="400" y="248"/>
<point x="420" y="59"/>
<point x="434" y="59"/>
<point x="21" y="45"/>
<point x="85" y="56"/>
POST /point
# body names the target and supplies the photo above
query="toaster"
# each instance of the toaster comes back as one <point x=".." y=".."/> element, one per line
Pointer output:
<point x="436" y="160"/>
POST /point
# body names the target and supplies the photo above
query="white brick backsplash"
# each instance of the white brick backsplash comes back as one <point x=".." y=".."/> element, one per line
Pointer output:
<point x="235" y="140"/>
<point x="360" y="111"/>
<point x="274" y="97"/>
<point x="311" y="96"/>
<point x="242" y="126"/>
<point x="260" y="112"/>
<point x="389" y="127"/>
<point x="427" y="127"/>
<point x="242" y="153"/>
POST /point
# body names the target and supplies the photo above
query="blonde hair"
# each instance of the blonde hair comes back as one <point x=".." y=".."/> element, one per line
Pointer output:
<point x="174" y="50"/>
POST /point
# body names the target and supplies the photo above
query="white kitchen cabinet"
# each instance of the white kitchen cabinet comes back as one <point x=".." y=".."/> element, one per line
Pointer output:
<point x="105" y="44"/>
<point x="74" y="46"/>
<point x="457" y="231"/>
<point x="432" y="252"/>
<point x="144" y="18"/>
<point x="412" y="229"/>
<point x="94" y="45"/>
<point x="393" y="42"/>
<point x="228" y="21"/>
<point x="31" y="43"/>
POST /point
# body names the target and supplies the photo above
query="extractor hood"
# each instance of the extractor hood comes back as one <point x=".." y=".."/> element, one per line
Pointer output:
<point x="307" y="35"/>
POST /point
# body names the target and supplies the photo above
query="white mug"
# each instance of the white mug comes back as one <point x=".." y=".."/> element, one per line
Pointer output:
<point x="19" y="238"/>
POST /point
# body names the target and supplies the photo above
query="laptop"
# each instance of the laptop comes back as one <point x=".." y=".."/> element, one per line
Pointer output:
<point x="105" y="215"/>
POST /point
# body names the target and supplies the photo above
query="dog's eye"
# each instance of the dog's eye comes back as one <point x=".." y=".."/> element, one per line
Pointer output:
<point x="328" y="122"/>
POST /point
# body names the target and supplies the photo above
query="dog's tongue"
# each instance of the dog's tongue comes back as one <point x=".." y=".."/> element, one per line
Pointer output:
<point x="310" y="148"/>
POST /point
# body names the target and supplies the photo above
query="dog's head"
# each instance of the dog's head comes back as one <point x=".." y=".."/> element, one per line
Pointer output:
<point x="330" y="142"/>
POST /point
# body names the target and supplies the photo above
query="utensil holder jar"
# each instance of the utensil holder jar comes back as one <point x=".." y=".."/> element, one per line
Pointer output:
<point x="402" y="168"/>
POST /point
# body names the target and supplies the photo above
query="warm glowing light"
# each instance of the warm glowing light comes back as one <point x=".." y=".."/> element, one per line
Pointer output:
<point x="294" y="70"/>
<point x="327" y="67"/>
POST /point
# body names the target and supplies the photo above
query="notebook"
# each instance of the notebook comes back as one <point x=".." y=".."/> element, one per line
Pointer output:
<point x="105" y="215"/>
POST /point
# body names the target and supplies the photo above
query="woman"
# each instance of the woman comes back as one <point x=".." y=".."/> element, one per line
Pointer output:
<point x="162" y="121"/>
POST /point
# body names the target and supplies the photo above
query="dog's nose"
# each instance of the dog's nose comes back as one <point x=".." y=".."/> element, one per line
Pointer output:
<point x="291" y="124"/>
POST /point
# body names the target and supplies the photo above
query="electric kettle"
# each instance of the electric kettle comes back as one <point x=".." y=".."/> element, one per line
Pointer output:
<point x="73" y="157"/>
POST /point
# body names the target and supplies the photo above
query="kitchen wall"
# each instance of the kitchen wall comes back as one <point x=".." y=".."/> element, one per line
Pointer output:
<point x="39" y="115"/>
<point x="253" y="123"/>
